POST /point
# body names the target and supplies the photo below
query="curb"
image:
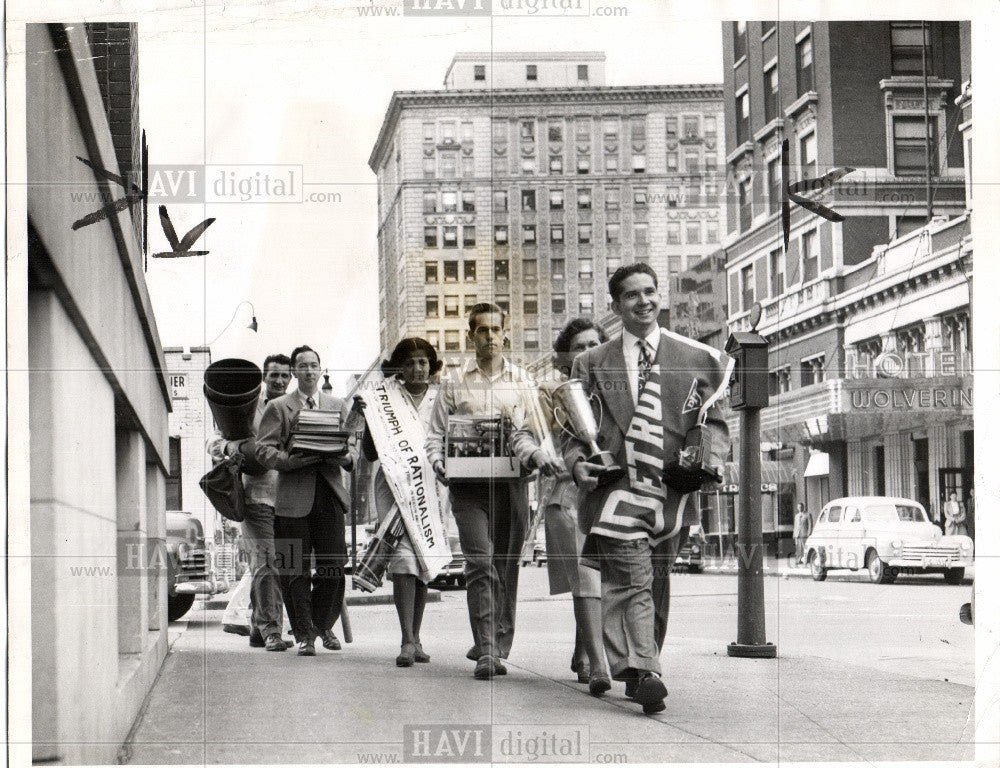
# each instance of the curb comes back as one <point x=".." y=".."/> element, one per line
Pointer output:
<point x="380" y="598"/>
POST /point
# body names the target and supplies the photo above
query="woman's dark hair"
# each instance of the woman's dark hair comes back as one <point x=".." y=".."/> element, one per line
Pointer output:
<point x="573" y="327"/>
<point x="404" y="349"/>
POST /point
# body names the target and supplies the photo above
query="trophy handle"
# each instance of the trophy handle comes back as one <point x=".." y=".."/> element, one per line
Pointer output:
<point x="600" y="409"/>
<point x="556" y="410"/>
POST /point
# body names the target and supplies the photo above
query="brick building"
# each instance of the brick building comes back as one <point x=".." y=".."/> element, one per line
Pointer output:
<point x="886" y="281"/>
<point x="527" y="182"/>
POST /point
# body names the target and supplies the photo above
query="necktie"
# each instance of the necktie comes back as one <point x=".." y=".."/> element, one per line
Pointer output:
<point x="310" y="403"/>
<point x="645" y="363"/>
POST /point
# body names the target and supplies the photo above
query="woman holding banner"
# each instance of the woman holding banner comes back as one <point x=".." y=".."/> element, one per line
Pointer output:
<point x="563" y="538"/>
<point x="397" y="411"/>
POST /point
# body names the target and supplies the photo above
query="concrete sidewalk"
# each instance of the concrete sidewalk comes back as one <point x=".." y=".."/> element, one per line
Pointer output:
<point x="858" y="678"/>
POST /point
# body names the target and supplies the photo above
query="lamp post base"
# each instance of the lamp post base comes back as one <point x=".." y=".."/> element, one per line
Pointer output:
<point x="765" y="651"/>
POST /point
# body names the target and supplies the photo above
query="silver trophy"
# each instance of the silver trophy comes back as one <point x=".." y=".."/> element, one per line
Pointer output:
<point x="572" y="400"/>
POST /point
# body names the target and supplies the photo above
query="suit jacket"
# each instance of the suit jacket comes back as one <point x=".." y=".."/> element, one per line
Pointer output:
<point x="296" y="488"/>
<point x="604" y="374"/>
<point x="259" y="489"/>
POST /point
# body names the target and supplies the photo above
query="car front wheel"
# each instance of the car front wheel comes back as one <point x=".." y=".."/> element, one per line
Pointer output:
<point x="954" y="575"/>
<point x="878" y="571"/>
<point x="817" y="567"/>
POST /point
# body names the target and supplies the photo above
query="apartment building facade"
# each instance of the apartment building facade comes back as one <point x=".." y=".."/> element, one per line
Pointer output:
<point x="527" y="182"/>
<point x="890" y="283"/>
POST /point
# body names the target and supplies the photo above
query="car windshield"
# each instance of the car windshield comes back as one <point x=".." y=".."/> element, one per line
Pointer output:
<point x="891" y="513"/>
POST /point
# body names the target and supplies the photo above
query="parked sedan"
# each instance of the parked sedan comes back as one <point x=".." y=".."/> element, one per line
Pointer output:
<point x="189" y="565"/>
<point x="886" y="536"/>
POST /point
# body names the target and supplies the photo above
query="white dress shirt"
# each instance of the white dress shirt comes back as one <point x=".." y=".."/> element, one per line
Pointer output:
<point x="630" y="348"/>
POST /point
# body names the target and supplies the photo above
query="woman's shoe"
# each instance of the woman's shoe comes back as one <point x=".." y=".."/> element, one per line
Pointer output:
<point x="599" y="684"/>
<point x="405" y="658"/>
<point x="418" y="654"/>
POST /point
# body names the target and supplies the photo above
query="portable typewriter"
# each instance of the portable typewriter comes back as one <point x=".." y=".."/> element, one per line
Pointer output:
<point x="477" y="449"/>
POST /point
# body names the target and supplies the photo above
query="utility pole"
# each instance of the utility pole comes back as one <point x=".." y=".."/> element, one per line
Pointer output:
<point x="927" y="125"/>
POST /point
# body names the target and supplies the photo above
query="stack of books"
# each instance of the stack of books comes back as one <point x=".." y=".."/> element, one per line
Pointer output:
<point x="318" y="432"/>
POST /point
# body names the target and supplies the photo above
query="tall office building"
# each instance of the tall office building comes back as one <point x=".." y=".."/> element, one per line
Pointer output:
<point x="868" y="319"/>
<point x="526" y="182"/>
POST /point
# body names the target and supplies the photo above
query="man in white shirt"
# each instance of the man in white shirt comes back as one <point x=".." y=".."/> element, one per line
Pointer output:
<point x="491" y="514"/>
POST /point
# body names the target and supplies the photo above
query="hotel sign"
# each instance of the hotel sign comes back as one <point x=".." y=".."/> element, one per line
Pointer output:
<point x="178" y="383"/>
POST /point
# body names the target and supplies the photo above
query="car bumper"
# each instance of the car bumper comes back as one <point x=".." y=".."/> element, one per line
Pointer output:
<point x="199" y="587"/>
<point x="929" y="563"/>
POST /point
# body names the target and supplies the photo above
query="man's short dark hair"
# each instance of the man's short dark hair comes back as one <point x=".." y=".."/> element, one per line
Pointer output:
<point x="299" y="350"/>
<point x="279" y="359"/>
<point x="626" y="271"/>
<point x="482" y="308"/>
<point x="573" y="327"/>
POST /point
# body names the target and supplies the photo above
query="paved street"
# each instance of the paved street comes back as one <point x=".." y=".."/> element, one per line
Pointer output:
<point x="863" y="673"/>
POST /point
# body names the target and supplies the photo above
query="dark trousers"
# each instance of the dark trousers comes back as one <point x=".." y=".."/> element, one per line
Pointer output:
<point x="313" y="600"/>
<point x="491" y="534"/>
<point x="265" y="589"/>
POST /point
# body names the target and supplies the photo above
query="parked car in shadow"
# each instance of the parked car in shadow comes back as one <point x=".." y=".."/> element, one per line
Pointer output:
<point x="692" y="554"/>
<point x="887" y="536"/>
<point x="189" y="564"/>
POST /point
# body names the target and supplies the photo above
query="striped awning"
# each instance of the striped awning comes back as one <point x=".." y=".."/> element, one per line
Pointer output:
<point x="772" y="475"/>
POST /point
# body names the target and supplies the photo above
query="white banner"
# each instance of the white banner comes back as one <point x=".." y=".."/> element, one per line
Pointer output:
<point x="399" y="435"/>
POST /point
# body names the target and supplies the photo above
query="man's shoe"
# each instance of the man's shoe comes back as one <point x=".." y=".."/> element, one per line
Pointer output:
<point x="473" y="653"/>
<point x="307" y="648"/>
<point x="275" y="643"/>
<point x="330" y="641"/>
<point x="418" y="654"/>
<point x="486" y="668"/>
<point x="501" y="669"/>
<point x="599" y="684"/>
<point x="256" y="639"/>
<point x="236" y="629"/>
<point x="652" y="709"/>
<point x="649" y="691"/>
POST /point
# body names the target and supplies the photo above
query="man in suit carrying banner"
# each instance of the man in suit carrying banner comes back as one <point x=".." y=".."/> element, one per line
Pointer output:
<point x="655" y="388"/>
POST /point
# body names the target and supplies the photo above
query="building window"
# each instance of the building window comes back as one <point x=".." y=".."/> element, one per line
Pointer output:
<point x="807" y="155"/>
<point x="777" y="264"/>
<point x="555" y="131"/>
<point x="810" y="256"/>
<point x="691" y="127"/>
<point x="746" y="287"/>
<point x="451" y="271"/>
<point x="610" y="129"/>
<point x="612" y="199"/>
<point x="772" y="95"/>
<point x="909" y="146"/>
<point x="429" y="132"/>
<point x="450" y="237"/>
<point x="531" y="72"/>
<point x="708" y="125"/>
<point x="531" y="338"/>
<point x="531" y="303"/>
<point x="500" y="200"/>
<point x="611" y="163"/>
<point x="774" y="185"/>
<point x="468" y="237"/>
<point x="638" y="129"/>
<point x="530" y="268"/>
<point x="431" y="306"/>
<point x="710" y="163"/>
<point x="711" y="231"/>
<point x="499" y="132"/>
<point x="674" y="263"/>
<point x="692" y="192"/>
<point x="500" y="234"/>
<point x="711" y="191"/>
<point x="449" y="202"/>
<point x="527" y="200"/>
<point x="528" y="234"/>
<point x="430" y="272"/>
<point x="451" y="306"/>
<point x="555" y="164"/>
<point x="586" y="269"/>
<point x="813" y="370"/>
<point x="908" y="41"/>
<point x="434" y="339"/>
<point x="693" y="233"/>
<point x="448" y="165"/>
<point x="779" y="381"/>
<point x="612" y="264"/>
<point x="766" y="27"/>
<point x="528" y="165"/>
<point x="739" y="40"/>
<point x="501" y="269"/>
<point x="674" y="232"/>
<point x="468" y="303"/>
<point x="448" y="132"/>
<point x="641" y="232"/>
<point x="671" y="161"/>
<point x="586" y="303"/>
<point x="451" y="341"/>
<point x="430" y="237"/>
<point x="527" y="130"/>
<point x="583" y="73"/>
<point x="804" y="65"/>
<point x="671" y="128"/>
<point x="469" y="201"/>
<point x="583" y="164"/>
<point x="175" y="498"/>
<point x="746" y="213"/>
<point x="478" y="71"/>
<point x="558" y="303"/>
<point x="673" y="196"/>
<point x="556" y="234"/>
<point x="469" y="268"/>
<point x="640" y="198"/>
<point x="430" y="202"/>
<point x="429" y="168"/>
<point x="691" y="160"/>
<point x="584" y="233"/>
<point x="583" y="197"/>
<point x="743" y="117"/>
<point x="613" y="233"/>
<point x="555" y="199"/>
<point x="558" y="268"/>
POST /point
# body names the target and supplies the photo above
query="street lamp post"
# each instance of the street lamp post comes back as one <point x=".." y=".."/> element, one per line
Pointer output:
<point x="252" y="325"/>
